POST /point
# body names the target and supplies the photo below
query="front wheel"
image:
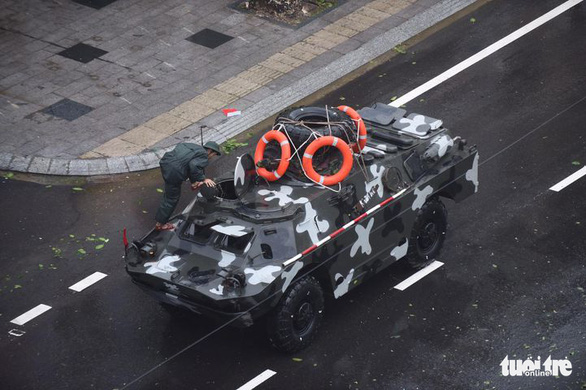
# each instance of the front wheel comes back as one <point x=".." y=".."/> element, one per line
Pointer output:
<point x="428" y="234"/>
<point x="293" y="323"/>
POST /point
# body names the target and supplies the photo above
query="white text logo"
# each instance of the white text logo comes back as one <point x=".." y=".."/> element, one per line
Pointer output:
<point x="528" y="367"/>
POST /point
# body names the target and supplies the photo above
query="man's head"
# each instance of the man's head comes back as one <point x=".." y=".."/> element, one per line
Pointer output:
<point x="212" y="148"/>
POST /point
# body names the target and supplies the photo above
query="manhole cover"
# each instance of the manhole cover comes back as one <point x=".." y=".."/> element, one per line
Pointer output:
<point x="67" y="109"/>
<point x="209" y="38"/>
<point x="82" y="53"/>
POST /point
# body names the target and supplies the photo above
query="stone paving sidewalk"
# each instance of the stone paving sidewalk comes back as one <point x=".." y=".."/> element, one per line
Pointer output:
<point x="90" y="87"/>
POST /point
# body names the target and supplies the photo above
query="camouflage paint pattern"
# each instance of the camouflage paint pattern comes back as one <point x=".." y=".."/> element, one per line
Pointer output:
<point x="251" y="236"/>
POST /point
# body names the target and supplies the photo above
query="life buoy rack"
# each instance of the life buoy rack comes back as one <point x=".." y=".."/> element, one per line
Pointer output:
<point x="281" y="138"/>
<point x="357" y="148"/>
<point x="346" y="163"/>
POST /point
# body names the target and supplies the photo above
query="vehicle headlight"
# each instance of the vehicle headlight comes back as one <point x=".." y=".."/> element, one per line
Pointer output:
<point x="149" y="249"/>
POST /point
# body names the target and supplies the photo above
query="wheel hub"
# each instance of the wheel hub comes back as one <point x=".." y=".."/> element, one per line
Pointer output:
<point x="304" y="317"/>
<point x="429" y="235"/>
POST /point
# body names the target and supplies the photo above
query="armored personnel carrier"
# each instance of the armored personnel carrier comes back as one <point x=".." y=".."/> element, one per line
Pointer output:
<point x="332" y="197"/>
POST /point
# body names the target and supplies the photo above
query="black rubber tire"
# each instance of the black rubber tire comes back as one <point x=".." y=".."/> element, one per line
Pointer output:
<point x="293" y="323"/>
<point x="317" y="114"/>
<point x="428" y="234"/>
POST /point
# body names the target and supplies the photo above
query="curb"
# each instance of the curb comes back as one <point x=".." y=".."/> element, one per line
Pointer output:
<point x="252" y="115"/>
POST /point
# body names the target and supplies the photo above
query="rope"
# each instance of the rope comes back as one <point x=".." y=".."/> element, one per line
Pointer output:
<point x="315" y="135"/>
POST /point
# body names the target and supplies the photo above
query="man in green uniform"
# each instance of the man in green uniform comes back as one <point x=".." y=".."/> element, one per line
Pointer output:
<point x="186" y="161"/>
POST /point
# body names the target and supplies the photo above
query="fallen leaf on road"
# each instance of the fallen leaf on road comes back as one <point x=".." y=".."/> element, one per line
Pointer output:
<point x="77" y="189"/>
<point x="297" y="359"/>
<point x="159" y="190"/>
<point x="98" y="247"/>
<point x="575" y="162"/>
<point x="401" y="49"/>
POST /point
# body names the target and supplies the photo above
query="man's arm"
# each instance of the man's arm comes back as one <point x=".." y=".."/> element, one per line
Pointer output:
<point x="197" y="166"/>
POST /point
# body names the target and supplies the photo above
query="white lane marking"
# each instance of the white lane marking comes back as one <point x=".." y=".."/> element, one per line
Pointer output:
<point x="85" y="283"/>
<point x="257" y="380"/>
<point x="569" y="180"/>
<point x="418" y="275"/>
<point x="484" y="53"/>
<point x="29" y="315"/>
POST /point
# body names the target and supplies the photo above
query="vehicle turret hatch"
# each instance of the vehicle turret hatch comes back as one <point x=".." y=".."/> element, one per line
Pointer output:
<point x="381" y="113"/>
<point x="417" y="125"/>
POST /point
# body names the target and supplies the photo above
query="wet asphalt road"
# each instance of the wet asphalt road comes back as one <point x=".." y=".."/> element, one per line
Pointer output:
<point x="513" y="281"/>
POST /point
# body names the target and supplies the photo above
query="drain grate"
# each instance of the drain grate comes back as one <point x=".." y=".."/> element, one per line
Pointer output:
<point x="67" y="109"/>
<point x="209" y="38"/>
<point x="82" y="53"/>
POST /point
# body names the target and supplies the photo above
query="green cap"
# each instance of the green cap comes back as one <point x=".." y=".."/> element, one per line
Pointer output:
<point x="213" y="146"/>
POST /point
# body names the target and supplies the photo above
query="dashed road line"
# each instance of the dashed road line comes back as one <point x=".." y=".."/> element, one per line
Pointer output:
<point x="569" y="180"/>
<point x="484" y="53"/>
<point x="85" y="283"/>
<point x="254" y="382"/>
<point x="29" y="315"/>
<point x="417" y="276"/>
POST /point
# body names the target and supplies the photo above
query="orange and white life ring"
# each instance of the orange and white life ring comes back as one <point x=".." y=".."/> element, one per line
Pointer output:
<point x="346" y="163"/>
<point x="281" y="138"/>
<point x="361" y="127"/>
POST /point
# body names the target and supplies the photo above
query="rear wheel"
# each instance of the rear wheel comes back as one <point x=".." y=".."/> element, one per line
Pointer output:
<point x="293" y="323"/>
<point x="428" y="234"/>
